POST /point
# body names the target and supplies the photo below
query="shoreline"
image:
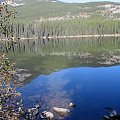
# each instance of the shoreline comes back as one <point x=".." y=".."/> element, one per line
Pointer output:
<point x="86" y="36"/>
<point x="61" y="37"/>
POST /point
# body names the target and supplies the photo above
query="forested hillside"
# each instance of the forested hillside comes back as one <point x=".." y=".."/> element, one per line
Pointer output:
<point x="54" y="18"/>
<point x="53" y="8"/>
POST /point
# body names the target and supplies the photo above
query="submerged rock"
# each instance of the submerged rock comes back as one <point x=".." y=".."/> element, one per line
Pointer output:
<point x="33" y="112"/>
<point x="47" y="115"/>
<point x="72" y="105"/>
<point x="21" y="111"/>
<point x="21" y="75"/>
<point x="61" y="111"/>
<point x="113" y="115"/>
<point x="106" y="117"/>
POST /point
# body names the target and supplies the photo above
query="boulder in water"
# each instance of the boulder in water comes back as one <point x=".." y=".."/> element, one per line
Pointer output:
<point x="47" y="115"/>
<point x="61" y="111"/>
<point x="72" y="105"/>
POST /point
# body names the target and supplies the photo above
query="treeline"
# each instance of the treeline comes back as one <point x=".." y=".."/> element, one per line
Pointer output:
<point x="67" y="47"/>
<point x="69" y="27"/>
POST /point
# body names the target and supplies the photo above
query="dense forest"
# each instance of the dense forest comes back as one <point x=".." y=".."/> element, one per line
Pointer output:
<point x="66" y="19"/>
<point x="67" y="27"/>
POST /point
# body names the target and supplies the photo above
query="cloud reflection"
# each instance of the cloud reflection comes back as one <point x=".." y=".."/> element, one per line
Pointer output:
<point x="49" y="89"/>
<point x="57" y="95"/>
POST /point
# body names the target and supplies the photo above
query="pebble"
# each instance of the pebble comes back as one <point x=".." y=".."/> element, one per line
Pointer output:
<point x="72" y="105"/>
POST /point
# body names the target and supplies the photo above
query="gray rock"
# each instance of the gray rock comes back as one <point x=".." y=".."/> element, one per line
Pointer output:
<point x="21" y="75"/>
<point x="47" y="115"/>
<point x="61" y="111"/>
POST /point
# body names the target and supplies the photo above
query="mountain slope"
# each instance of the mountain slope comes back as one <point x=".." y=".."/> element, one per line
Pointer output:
<point x="54" y="8"/>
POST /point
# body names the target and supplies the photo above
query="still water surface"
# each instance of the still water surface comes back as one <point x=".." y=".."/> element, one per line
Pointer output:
<point x="83" y="71"/>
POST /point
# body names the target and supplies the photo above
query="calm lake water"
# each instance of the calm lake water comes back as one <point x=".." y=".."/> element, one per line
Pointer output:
<point x="83" y="71"/>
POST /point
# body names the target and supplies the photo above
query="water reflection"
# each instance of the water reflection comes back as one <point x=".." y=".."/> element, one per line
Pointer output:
<point x="92" y="89"/>
<point x="96" y="51"/>
<point x="69" y="47"/>
<point x="50" y="89"/>
<point x="50" y="55"/>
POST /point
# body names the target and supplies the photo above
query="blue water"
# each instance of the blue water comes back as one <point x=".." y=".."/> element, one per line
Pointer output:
<point x="91" y="89"/>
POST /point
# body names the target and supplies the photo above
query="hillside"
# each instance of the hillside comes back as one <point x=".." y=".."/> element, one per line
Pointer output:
<point x="55" y="9"/>
<point x="55" y="18"/>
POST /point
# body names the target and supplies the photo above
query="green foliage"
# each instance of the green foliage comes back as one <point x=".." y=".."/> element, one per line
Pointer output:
<point x="8" y="94"/>
<point x="70" y="24"/>
<point x="38" y="9"/>
<point x="68" y="27"/>
<point x="29" y="24"/>
<point x="7" y="14"/>
<point x="9" y="97"/>
<point x="6" y="69"/>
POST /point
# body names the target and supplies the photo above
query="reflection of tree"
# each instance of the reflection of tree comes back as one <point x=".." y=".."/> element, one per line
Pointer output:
<point x="66" y="52"/>
<point x="57" y="96"/>
<point x="68" y="47"/>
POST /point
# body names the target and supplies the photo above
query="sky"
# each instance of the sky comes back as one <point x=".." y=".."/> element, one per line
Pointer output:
<point x="82" y="1"/>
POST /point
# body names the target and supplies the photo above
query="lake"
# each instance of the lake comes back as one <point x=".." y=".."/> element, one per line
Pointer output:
<point x="83" y="71"/>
